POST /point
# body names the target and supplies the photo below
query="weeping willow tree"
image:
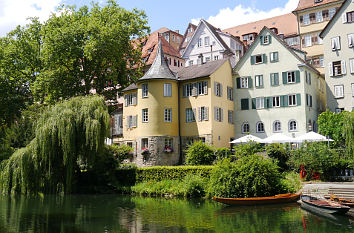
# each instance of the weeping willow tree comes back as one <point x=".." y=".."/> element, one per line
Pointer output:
<point x="348" y="126"/>
<point x="66" y="133"/>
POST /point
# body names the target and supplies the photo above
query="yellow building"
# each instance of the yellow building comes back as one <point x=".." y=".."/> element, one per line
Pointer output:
<point x="165" y="110"/>
<point x="312" y="17"/>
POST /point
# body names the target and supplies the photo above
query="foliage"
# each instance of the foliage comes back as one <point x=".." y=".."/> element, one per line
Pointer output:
<point x="331" y="124"/>
<point x="66" y="133"/>
<point x="291" y="183"/>
<point x="317" y="157"/>
<point x="222" y="153"/>
<point x="90" y="48"/>
<point x="120" y="152"/>
<point x="171" y="172"/>
<point x="279" y="152"/>
<point x="245" y="149"/>
<point x="199" y="153"/>
<point x="189" y="186"/>
<point x="348" y="130"/>
<point x="250" y="176"/>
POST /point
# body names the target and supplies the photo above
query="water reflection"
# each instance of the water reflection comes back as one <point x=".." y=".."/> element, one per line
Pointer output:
<point x="112" y="213"/>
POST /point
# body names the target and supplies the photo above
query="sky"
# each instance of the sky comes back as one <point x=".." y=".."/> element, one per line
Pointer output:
<point x="173" y="14"/>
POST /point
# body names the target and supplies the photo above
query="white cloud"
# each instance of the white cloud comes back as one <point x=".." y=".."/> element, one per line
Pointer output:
<point x="15" y="12"/>
<point x="227" y="17"/>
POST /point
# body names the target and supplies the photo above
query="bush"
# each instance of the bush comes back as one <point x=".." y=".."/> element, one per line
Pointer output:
<point x="171" y="172"/>
<point x="250" y="176"/>
<point x="200" y="153"/>
<point x="291" y="182"/>
<point x="245" y="149"/>
<point x="121" y="152"/>
<point x="222" y="153"/>
<point x="279" y="152"/>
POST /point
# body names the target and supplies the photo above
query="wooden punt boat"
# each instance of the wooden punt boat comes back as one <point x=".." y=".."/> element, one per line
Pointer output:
<point x="281" y="198"/>
<point x="322" y="205"/>
<point x="342" y="201"/>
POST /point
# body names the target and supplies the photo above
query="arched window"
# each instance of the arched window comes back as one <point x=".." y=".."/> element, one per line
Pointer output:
<point x="276" y="126"/>
<point x="260" y="127"/>
<point x="292" y="125"/>
<point x="245" y="127"/>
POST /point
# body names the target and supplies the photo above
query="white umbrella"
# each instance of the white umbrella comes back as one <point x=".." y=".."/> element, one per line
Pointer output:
<point x="278" y="138"/>
<point x="312" y="137"/>
<point x="246" y="139"/>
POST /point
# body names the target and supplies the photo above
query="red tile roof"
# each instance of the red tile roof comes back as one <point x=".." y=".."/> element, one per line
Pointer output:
<point x="304" y="4"/>
<point x="286" y="24"/>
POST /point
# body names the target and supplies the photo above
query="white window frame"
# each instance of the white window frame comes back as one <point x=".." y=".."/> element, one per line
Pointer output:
<point x="200" y="43"/>
<point x="276" y="101"/>
<point x="351" y="63"/>
<point x="260" y="103"/>
<point x="319" y="16"/>
<point x="168" y="114"/>
<point x="306" y="19"/>
<point x="167" y="89"/>
<point x="292" y="126"/>
<point x="206" y="41"/>
<point x="244" y="82"/>
<point x="335" y="43"/>
<point x="338" y="91"/>
<point x="169" y="142"/>
<point x="145" y="115"/>
<point x="276" y="126"/>
<point x="259" y="81"/>
<point x="230" y="116"/>
<point x="245" y="127"/>
<point x="308" y="40"/>
<point x="190" y="116"/>
<point x="145" y="90"/>
<point x="292" y="100"/>
<point x="351" y="40"/>
<point x="258" y="125"/>
<point x="274" y="56"/>
<point x="291" y="77"/>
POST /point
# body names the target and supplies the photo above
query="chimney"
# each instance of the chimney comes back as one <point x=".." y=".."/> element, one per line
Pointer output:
<point x="200" y="59"/>
<point x="177" y="31"/>
<point x="281" y="35"/>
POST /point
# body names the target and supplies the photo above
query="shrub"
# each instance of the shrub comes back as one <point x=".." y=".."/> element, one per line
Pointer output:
<point x="250" y="176"/>
<point x="280" y="153"/>
<point x="200" y="153"/>
<point x="291" y="182"/>
<point x="121" y="152"/>
<point x="245" y="149"/>
<point x="222" y="153"/>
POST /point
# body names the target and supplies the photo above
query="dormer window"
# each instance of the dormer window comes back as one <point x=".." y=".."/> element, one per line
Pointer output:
<point x="318" y="1"/>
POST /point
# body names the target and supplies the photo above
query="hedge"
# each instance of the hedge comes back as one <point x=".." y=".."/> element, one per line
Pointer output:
<point x="133" y="175"/>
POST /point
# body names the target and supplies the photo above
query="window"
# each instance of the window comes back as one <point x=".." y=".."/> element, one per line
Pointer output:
<point x="130" y="99"/>
<point x="245" y="128"/>
<point x="259" y="81"/>
<point x="276" y="126"/>
<point x="195" y="89"/>
<point x="145" y="90"/>
<point x="319" y="39"/>
<point x="244" y="104"/>
<point x="325" y="14"/>
<point x="190" y="115"/>
<point x="190" y="62"/>
<point x="230" y="116"/>
<point x="130" y="144"/>
<point x="292" y="125"/>
<point x="351" y="40"/>
<point x="200" y="42"/>
<point x="338" y="91"/>
<point x="203" y="113"/>
<point x="173" y="37"/>
<point x="318" y="1"/>
<point x="230" y="94"/>
<point x="265" y="40"/>
<point x="351" y="62"/>
<point x="218" y="114"/>
<point x="319" y="17"/>
<point x="244" y="82"/>
<point x="292" y="100"/>
<point x="206" y="41"/>
<point x="331" y="12"/>
<point x="274" y="57"/>
<point x="218" y="89"/>
<point x="353" y="89"/>
<point x="259" y="59"/>
<point x="318" y="61"/>
<point x="306" y="19"/>
<point x="308" y="77"/>
<point x="276" y="101"/>
<point x="335" y="43"/>
<point x="337" y="68"/>
<point x="145" y="114"/>
<point x="168" y="143"/>
<point x="259" y="102"/>
<point x="260" y="127"/>
<point x="291" y="77"/>
<point x="312" y="18"/>
<point x="144" y="143"/>
<point x="309" y="100"/>
<point x="349" y="17"/>
<point x="167" y="89"/>
<point x="308" y="41"/>
<point x="168" y="114"/>
<point x="207" y="59"/>
<point x="274" y="79"/>
<point x="131" y="121"/>
<point x="216" y="57"/>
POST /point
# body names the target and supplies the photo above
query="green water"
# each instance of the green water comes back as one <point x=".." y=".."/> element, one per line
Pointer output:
<point x="112" y="213"/>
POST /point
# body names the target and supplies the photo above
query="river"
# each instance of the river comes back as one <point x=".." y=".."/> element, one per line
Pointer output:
<point x="115" y="213"/>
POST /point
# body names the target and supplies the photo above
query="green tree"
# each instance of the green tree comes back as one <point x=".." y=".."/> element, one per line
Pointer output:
<point x="245" y="149"/>
<point x="279" y="152"/>
<point x="67" y="134"/>
<point x="90" y="49"/>
<point x="331" y="124"/>
<point x="199" y="153"/>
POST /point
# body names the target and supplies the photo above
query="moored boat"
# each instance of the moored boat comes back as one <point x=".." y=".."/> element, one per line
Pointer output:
<point x="343" y="201"/>
<point x="322" y="205"/>
<point x="281" y="198"/>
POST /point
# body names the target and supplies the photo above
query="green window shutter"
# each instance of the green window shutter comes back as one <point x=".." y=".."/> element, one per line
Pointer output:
<point x="298" y="99"/>
<point x="253" y="103"/>
<point x="266" y="102"/>
<point x="283" y="101"/>
<point x="244" y="104"/>
<point x="261" y="38"/>
<point x="270" y="99"/>
<point x="297" y="76"/>
<point x="307" y="100"/>
<point x="276" y="79"/>
<point x="264" y="58"/>
<point x="310" y="100"/>
<point x="253" y="60"/>
<point x="238" y="83"/>
<point x="285" y="77"/>
<point x="250" y="82"/>
<point x="272" y="79"/>
<point x="269" y="39"/>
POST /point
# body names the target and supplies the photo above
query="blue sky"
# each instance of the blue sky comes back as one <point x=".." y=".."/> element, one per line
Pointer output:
<point x="171" y="14"/>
